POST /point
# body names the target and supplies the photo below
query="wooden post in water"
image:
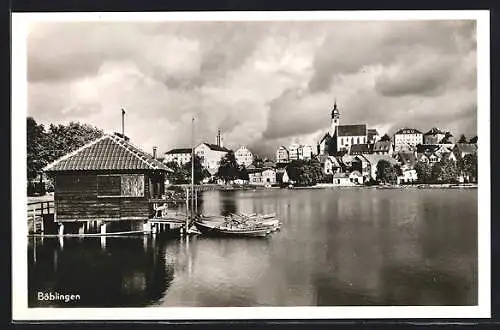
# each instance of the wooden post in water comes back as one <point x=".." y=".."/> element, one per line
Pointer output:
<point x="187" y="211"/>
<point x="48" y="211"/>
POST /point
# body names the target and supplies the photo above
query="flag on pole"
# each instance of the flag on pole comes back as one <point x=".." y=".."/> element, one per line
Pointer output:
<point x="123" y="111"/>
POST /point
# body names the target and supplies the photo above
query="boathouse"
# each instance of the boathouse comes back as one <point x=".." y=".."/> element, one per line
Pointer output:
<point x="108" y="185"/>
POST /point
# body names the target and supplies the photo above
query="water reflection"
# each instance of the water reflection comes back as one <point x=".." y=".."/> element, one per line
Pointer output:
<point x="336" y="247"/>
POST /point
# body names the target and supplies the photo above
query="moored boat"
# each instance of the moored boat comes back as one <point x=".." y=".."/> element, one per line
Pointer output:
<point x="233" y="231"/>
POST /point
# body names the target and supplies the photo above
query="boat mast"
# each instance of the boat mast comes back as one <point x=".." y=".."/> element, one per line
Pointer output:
<point x="192" y="169"/>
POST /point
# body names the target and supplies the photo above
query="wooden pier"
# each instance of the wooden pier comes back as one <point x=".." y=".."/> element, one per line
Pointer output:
<point x="40" y="214"/>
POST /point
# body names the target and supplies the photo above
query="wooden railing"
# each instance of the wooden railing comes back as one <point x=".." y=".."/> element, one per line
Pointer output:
<point x="36" y="211"/>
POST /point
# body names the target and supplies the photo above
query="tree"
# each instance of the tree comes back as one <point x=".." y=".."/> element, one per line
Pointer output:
<point x="385" y="137"/>
<point x="199" y="171"/>
<point x="473" y="140"/>
<point x="243" y="173"/>
<point x="462" y="139"/>
<point x="423" y="172"/>
<point x="448" y="171"/>
<point x="228" y="168"/>
<point x="447" y="138"/>
<point x="386" y="172"/>
<point x="36" y="153"/>
<point x="467" y="166"/>
<point x="179" y="175"/>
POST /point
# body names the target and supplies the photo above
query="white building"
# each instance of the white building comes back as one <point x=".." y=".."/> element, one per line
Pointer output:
<point x="262" y="176"/>
<point x="293" y="151"/>
<point x="407" y="137"/>
<point x="210" y="155"/>
<point x="307" y="152"/>
<point x="282" y="155"/>
<point x="243" y="156"/>
<point x="181" y="156"/>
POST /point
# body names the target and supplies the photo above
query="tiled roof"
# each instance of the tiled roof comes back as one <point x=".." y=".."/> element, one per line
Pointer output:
<point x="466" y="148"/>
<point x="408" y="131"/>
<point x="109" y="152"/>
<point x="374" y="159"/>
<point x="359" y="149"/>
<point x="427" y="148"/>
<point x="215" y="147"/>
<point x="179" y="151"/>
<point x="340" y="175"/>
<point x="352" y="130"/>
<point x="327" y="137"/>
<point x="382" y="146"/>
<point x="434" y="131"/>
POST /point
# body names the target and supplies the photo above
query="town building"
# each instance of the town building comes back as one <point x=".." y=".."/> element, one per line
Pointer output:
<point x="108" y="185"/>
<point x="356" y="177"/>
<point x="383" y="148"/>
<point x="407" y="137"/>
<point x="282" y="155"/>
<point x="342" y="179"/>
<point x="293" y="151"/>
<point x="181" y="156"/>
<point x="262" y="176"/>
<point x="306" y="152"/>
<point x="434" y="136"/>
<point x="340" y="138"/>
<point x="359" y="149"/>
<point x="373" y="162"/>
<point x="372" y="135"/>
<point x="462" y="149"/>
<point x="243" y="156"/>
<point x="331" y="165"/>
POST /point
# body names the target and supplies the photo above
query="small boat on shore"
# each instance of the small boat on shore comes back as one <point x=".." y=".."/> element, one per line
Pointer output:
<point x="238" y="224"/>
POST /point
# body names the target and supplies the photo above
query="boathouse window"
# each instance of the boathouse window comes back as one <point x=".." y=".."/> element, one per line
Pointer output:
<point x="127" y="185"/>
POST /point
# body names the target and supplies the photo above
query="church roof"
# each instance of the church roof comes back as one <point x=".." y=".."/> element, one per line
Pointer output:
<point x="351" y="130"/>
<point x="327" y="136"/>
<point x="434" y="131"/>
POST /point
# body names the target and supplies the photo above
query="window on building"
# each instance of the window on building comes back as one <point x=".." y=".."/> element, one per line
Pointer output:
<point x="127" y="185"/>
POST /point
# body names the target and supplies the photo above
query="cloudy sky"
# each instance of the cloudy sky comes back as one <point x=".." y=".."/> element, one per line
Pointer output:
<point x="262" y="83"/>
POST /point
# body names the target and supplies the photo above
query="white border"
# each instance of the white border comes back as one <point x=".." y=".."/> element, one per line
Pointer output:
<point x="20" y="309"/>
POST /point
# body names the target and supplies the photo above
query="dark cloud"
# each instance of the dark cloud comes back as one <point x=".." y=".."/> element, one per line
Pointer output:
<point x="262" y="83"/>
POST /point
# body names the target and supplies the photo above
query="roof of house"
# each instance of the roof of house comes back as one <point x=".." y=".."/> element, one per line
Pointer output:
<point x="427" y="147"/>
<point x="356" y="173"/>
<point x="109" y="152"/>
<point x="340" y="175"/>
<point x="466" y="148"/>
<point x="351" y="130"/>
<point x="408" y="131"/>
<point x="179" y="151"/>
<point x="434" y="131"/>
<point x="371" y="133"/>
<point x="283" y="147"/>
<point x="359" y="149"/>
<point x="383" y="146"/>
<point x="374" y="159"/>
<point x="215" y="147"/>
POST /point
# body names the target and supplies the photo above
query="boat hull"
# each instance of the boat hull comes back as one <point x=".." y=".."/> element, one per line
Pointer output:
<point x="208" y="230"/>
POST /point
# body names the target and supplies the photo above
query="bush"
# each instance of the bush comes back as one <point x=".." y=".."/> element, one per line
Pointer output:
<point x="36" y="189"/>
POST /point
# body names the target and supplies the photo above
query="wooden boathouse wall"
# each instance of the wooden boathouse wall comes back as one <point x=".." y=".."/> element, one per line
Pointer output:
<point x="105" y="195"/>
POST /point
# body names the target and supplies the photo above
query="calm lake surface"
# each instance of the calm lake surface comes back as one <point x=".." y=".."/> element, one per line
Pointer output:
<point x="336" y="247"/>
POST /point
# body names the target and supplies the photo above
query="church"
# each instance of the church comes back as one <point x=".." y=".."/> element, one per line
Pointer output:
<point x="340" y="138"/>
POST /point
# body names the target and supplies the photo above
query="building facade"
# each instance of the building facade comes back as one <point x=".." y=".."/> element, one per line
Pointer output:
<point x="434" y="136"/>
<point x="294" y="150"/>
<point x="282" y="155"/>
<point x="210" y="155"/>
<point x="181" y="156"/>
<point x="243" y="156"/>
<point x="407" y="137"/>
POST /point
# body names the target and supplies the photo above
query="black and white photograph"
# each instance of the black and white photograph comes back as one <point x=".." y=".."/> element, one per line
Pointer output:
<point x="287" y="165"/>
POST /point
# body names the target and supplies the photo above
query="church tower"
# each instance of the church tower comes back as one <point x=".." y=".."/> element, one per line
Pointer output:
<point x="335" y="121"/>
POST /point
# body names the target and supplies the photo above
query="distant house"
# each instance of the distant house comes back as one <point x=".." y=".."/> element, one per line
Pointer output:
<point x="293" y="151"/>
<point x="433" y="136"/>
<point x="382" y="148"/>
<point x="262" y="176"/>
<point x="181" y="156"/>
<point x="243" y="156"/>
<point x="282" y="155"/>
<point x="407" y="137"/>
<point x="409" y="175"/>
<point x="359" y="149"/>
<point x="331" y="165"/>
<point x="348" y="135"/>
<point x="342" y="179"/>
<point x="210" y="155"/>
<point x="106" y="185"/>
<point x="372" y="136"/>
<point x="323" y="144"/>
<point x="462" y="149"/>
<point x="306" y="152"/>
<point x="428" y="157"/>
<point x="356" y="177"/>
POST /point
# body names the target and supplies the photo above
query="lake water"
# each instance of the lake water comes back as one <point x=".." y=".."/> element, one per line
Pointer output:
<point x="337" y="247"/>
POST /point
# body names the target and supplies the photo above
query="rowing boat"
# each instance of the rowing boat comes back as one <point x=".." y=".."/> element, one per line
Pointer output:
<point x="223" y="230"/>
